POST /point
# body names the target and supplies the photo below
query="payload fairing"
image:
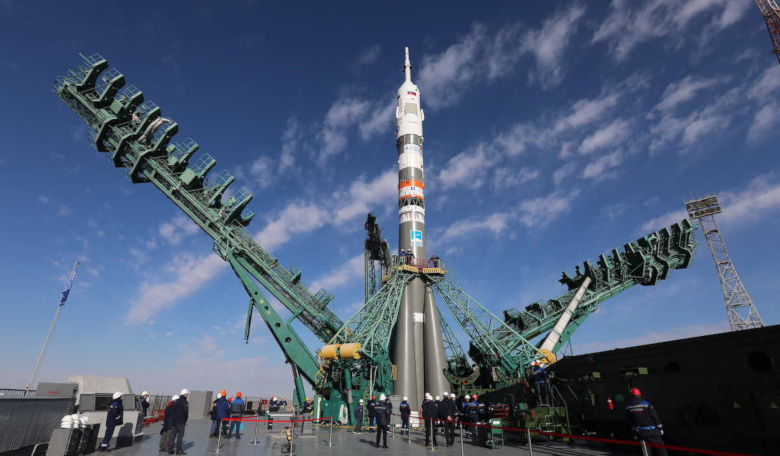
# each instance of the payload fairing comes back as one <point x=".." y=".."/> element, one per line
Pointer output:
<point x="419" y="350"/>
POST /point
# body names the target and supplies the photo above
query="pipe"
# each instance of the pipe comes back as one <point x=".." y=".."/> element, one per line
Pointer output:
<point x="565" y="318"/>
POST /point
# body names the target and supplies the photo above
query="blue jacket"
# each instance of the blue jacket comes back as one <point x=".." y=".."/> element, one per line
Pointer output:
<point x="114" y="417"/>
<point x="168" y="413"/>
<point x="222" y="408"/>
<point x="359" y="411"/>
<point x="237" y="407"/>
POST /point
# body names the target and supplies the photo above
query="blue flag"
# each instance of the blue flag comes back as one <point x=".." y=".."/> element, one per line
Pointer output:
<point x="66" y="291"/>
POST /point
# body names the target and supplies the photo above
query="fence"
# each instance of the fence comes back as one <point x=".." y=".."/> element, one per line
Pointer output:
<point x="16" y="392"/>
<point x="26" y="421"/>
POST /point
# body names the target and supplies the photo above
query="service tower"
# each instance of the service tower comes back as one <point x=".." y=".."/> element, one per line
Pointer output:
<point x="418" y="351"/>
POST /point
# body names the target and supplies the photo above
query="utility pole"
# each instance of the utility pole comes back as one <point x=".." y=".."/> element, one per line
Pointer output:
<point x="735" y="295"/>
<point x="64" y="298"/>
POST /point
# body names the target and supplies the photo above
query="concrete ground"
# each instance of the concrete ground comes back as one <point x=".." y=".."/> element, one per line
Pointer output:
<point x="198" y="443"/>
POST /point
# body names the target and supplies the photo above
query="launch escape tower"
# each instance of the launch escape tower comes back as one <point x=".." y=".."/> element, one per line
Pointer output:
<point x="364" y="354"/>
<point x="739" y="307"/>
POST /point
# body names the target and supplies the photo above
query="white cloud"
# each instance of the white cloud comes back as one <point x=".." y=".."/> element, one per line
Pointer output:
<point x="494" y="224"/>
<point x="64" y="211"/>
<point x="539" y="212"/>
<point x="188" y="273"/>
<point x="548" y="44"/>
<point x="631" y="23"/>
<point x="681" y="91"/>
<point x="296" y="218"/>
<point x="344" y="113"/>
<point x="366" y="57"/>
<point x="466" y="169"/>
<point x="613" y="211"/>
<point x="609" y="135"/>
<point x="175" y="230"/>
<point x="378" y="120"/>
<point x="600" y="168"/>
<point x="342" y="275"/>
<point x="765" y="120"/>
<point x="44" y="199"/>
<point x="586" y="111"/>
<point x="507" y="177"/>
<point x="759" y="198"/>
<point x="766" y="84"/>
<point x="563" y="172"/>
<point x="362" y="195"/>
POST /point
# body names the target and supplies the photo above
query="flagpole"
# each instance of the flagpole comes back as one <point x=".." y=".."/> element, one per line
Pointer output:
<point x="65" y="294"/>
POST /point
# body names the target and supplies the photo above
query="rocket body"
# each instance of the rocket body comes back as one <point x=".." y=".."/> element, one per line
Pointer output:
<point x="419" y="350"/>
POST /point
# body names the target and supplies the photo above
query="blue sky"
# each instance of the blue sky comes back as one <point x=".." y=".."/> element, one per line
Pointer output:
<point x="554" y="132"/>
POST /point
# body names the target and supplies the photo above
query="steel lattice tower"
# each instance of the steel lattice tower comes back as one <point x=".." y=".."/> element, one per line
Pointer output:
<point x="735" y="295"/>
<point x="771" y="14"/>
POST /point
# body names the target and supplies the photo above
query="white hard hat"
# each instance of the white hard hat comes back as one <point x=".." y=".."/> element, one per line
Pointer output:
<point x="184" y="391"/>
<point x="382" y="397"/>
<point x="116" y="395"/>
<point x="176" y="396"/>
<point x="452" y="395"/>
<point x="406" y="398"/>
<point x="144" y="393"/>
<point x="428" y="396"/>
<point x="468" y="397"/>
<point x="361" y="401"/>
<point x="273" y="398"/>
<point x="438" y="398"/>
<point x="445" y="394"/>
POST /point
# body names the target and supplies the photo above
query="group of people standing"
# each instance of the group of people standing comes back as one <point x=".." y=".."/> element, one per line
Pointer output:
<point x="177" y="411"/>
<point x="223" y="408"/>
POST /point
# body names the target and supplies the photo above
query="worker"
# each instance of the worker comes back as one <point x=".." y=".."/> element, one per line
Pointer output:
<point x="180" y="413"/>
<point x="472" y="415"/>
<point x="371" y="413"/>
<point x="307" y="408"/>
<point x="402" y="256"/>
<point x="166" y="427"/>
<point x="220" y="412"/>
<point x="540" y="379"/>
<point x="282" y="405"/>
<point x="482" y="410"/>
<point x="237" y="409"/>
<point x="113" y="419"/>
<point x="430" y="412"/>
<point x="359" y="418"/>
<point x="410" y="257"/>
<point x="145" y="402"/>
<point x="383" y="411"/>
<point x="435" y="261"/>
<point x="448" y="413"/>
<point x="406" y="412"/>
<point x="644" y="420"/>
<point x="273" y="406"/>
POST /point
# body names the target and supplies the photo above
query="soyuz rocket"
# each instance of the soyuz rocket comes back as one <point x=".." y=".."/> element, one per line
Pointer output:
<point x="418" y="352"/>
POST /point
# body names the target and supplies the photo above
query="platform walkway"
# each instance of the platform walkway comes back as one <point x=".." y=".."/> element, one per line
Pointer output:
<point x="198" y="443"/>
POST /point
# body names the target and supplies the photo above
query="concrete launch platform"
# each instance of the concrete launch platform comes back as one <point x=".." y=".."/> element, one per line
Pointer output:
<point x="198" y="443"/>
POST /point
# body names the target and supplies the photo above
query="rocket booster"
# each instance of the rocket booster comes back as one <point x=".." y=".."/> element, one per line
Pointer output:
<point x="419" y="349"/>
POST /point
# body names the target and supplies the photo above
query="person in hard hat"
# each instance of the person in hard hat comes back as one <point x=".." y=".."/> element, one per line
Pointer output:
<point x="430" y="412"/>
<point x="472" y="414"/>
<point x="307" y="408"/>
<point x="644" y="421"/>
<point x="383" y="411"/>
<point x="180" y="414"/>
<point x="237" y="409"/>
<point x="273" y="405"/>
<point x="282" y="405"/>
<point x="145" y="402"/>
<point x="406" y="412"/>
<point x="113" y="419"/>
<point x="165" y="441"/>
<point x="221" y="411"/>
<point x="359" y="417"/>
<point x="448" y="413"/>
<point x="371" y="413"/>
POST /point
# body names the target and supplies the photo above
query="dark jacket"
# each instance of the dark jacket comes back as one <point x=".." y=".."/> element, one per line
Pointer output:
<point x="308" y="407"/>
<point x="359" y="412"/>
<point x="221" y="408"/>
<point x="383" y="411"/>
<point x="448" y="409"/>
<point x="405" y="409"/>
<point x="273" y="406"/>
<point x="643" y="417"/>
<point x="371" y="407"/>
<point x="114" y="417"/>
<point x="167" y="419"/>
<point x="145" y="405"/>
<point x="430" y="410"/>
<point x="237" y="407"/>
<point x="180" y="411"/>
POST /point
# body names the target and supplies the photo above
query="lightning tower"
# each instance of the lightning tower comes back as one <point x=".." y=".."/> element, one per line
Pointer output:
<point x="771" y="14"/>
<point x="738" y="302"/>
